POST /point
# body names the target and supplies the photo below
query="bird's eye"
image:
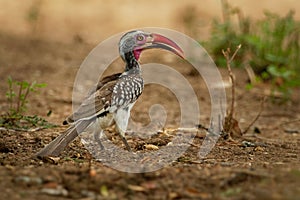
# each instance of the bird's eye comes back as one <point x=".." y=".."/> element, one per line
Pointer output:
<point x="140" y="38"/>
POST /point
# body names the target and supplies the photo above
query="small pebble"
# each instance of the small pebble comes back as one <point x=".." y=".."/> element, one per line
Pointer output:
<point x="58" y="191"/>
<point x="248" y="144"/>
<point x="259" y="149"/>
<point x="28" y="180"/>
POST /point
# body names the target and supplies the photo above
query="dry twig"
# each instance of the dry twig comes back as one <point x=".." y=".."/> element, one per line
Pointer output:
<point x="228" y="125"/>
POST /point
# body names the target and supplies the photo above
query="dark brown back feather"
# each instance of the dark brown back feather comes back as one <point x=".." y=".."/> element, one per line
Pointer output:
<point x="97" y="101"/>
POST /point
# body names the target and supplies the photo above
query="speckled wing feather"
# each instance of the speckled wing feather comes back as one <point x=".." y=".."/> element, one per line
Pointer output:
<point x="98" y="101"/>
<point x="127" y="90"/>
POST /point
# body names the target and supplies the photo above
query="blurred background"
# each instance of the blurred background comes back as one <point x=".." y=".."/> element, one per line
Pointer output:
<point x="94" y="20"/>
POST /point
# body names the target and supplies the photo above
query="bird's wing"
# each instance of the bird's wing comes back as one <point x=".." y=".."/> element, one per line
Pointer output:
<point x="98" y="102"/>
<point x="103" y="81"/>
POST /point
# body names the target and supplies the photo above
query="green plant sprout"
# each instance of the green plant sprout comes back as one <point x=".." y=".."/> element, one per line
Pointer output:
<point x="17" y="98"/>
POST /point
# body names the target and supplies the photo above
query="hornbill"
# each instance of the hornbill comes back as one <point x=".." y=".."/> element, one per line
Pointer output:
<point x="114" y="96"/>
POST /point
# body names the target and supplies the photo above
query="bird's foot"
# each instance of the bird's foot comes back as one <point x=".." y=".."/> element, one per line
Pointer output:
<point x="126" y="144"/>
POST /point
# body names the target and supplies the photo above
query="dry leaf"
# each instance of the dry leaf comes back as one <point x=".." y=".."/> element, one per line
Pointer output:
<point x="151" y="147"/>
<point x="52" y="160"/>
<point x="136" y="188"/>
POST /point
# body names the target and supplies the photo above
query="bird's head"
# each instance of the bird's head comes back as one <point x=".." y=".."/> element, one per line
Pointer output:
<point x="134" y="42"/>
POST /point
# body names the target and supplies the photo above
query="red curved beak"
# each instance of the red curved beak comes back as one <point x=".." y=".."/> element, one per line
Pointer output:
<point x="160" y="41"/>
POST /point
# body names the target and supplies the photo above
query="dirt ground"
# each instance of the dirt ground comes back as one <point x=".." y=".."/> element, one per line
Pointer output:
<point x="262" y="165"/>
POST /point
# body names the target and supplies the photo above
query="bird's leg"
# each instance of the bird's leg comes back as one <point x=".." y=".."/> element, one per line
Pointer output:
<point x="122" y="135"/>
<point x="97" y="135"/>
<point x="121" y="119"/>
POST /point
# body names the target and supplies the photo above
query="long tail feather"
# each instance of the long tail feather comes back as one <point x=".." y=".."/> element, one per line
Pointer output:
<point x="55" y="147"/>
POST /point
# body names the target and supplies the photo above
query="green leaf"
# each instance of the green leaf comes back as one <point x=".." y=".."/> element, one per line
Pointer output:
<point x="104" y="191"/>
<point x="41" y="85"/>
<point x="249" y="86"/>
<point x="23" y="84"/>
<point x="9" y="80"/>
<point x="287" y="74"/>
<point x="10" y="94"/>
<point x="265" y="75"/>
<point x="275" y="58"/>
<point x="273" y="70"/>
